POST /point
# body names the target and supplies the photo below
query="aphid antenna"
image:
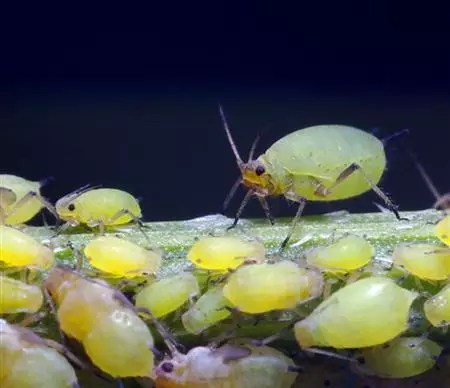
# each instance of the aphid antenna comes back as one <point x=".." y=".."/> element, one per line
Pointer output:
<point x="239" y="160"/>
<point x="231" y="193"/>
<point x="251" y="154"/>
<point x="45" y="181"/>
<point x="77" y="192"/>
<point x="395" y="135"/>
<point x="329" y="354"/>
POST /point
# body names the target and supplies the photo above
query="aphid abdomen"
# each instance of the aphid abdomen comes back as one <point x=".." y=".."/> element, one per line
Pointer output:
<point x="16" y="296"/>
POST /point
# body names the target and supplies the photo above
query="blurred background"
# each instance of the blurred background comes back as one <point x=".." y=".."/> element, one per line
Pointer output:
<point x="127" y="98"/>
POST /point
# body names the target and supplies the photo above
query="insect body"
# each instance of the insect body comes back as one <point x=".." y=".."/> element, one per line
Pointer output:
<point x="233" y="365"/>
<point x="114" y="337"/>
<point x="27" y="361"/>
<point x="121" y="258"/>
<point x="18" y="249"/>
<point x="319" y="163"/>
<point x="365" y="313"/>
<point x="21" y="199"/>
<point x="98" y="207"/>
<point x="16" y="296"/>
<point x="437" y="308"/>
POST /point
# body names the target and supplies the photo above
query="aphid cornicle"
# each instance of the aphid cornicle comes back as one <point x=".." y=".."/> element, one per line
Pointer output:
<point x="26" y="361"/>
<point x="365" y="313"/>
<point x="98" y="207"/>
<point x="114" y="337"/>
<point x="319" y="163"/>
<point x="17" y="296"/>
<point x="234" y="365"/>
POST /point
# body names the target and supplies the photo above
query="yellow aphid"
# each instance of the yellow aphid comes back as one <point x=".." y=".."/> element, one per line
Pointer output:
<point x="121" y="258"/>
<point x="442" y="230"/>
<point x="25" y="202"/>
<point x="167" y="295"/>
<point x="18" y="249"/>
<point x="347" y="254"/>
<point x="93" y="207"/>
<point x="437" y="308"/>
<point x="225" y="252"/>
<point x="209" y="309"/>
<point x="114" y="337"/>
<point x="365" y="313"/>
<point x="259" y="288"/>
<point x="19" y="297"/>
<point x="27" y="361"/>
<point x="400" y="358"/>
<point x="234" y="365"/>
<point x="426" y="261"/>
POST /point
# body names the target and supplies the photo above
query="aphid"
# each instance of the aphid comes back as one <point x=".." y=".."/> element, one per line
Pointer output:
<point x="426" y="261"/>
<point x="167" y="295"/>
<point x="259" y="288"/>
<point x="114" y="337"/>
<point x="21" y="199"/>
<point x="121" y="258"/>
<point x="442" y="230"/>
<point x="234" y="365"/>
<point x="400" y="358"/>
<point x="365" y="313"/>
<point x="19" y="297"/>
<point x="98" y="207"/>
<point x="18" y="249"/>
<point x="316" y="164"/>
<point x="225" y="252"/>
<point x="345" y="255"/>
<point x="209" y="309"/>
<point x="28" y="362"/>
<point x="437" y="308"/>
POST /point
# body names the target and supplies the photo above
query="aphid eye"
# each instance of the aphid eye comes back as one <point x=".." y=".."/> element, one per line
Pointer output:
<point x="71" y="207"/>
<point x="260" y="170"/>
<point x="167" y="367"/>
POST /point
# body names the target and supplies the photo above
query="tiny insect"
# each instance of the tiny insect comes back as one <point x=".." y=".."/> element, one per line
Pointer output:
<point x="442" y="230"/>
<point x="437" y="308"/>
<point x="28" y="362"/>
<point x="316" y="163"/>
<point x="121" y="258"/>
<point x="114" y="337"/>
<point x="167" y="295"/>
<point x="423" y="260"/>
<point x="260" y="288"/>
<point x="365" y="313"/>
<point x="225" y="252"/>
<point x="345" y="255"/>
<point x="19" y="297"/>
<point x="233" y="365"/>
<point x="18" y="249"/>
<point x="98" y="207"/>
<point x="400" y="358"/>
<point x="21" y="199"/>
<point x="208" y="310"/>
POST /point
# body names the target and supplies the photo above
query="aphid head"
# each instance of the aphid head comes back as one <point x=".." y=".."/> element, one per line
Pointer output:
<point x="56" y="279"/>
<point x="66" y="207"/>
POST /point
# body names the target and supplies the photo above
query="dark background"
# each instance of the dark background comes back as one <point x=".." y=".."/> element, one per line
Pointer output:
<point x="128" y="97"/>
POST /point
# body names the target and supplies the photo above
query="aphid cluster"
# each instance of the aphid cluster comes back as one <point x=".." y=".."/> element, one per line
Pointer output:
<point x="111" y="308"/>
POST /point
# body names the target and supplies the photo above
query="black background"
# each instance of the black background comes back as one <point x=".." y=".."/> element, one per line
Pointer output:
<point x="127" y="97"/>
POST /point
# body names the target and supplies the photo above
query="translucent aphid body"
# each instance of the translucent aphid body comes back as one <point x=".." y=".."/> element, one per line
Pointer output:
<point x="442" y="230"/>
<point x="121" y="258"/>
<point x="225" y="252"/>
<point x="114" y="337"/>
<point x="27" y="361"/>
<point x="209" y="309"/>
<point x="21" y="187"/>
<point x="437" y="308"/>
<point x="259" y="288"/>
<point x="19" y="297"/>
<point x="426" y="261"/>
<point x="18" y="249"/>
<point x="104" y="206"/>
<point x="365" y="313"/>
<point x="400" y="358"/>
<point x="167" y="295"/>
<point x="233" y="365"/>
<point x="345" y="255"/>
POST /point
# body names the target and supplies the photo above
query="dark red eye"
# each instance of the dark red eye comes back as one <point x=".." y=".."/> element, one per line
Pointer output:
<point x="167" y="367"/>
<point x="71" y="207"/>
<point x="260" y="170"/>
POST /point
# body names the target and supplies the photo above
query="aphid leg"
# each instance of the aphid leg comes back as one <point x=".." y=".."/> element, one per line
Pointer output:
<point x="59" y="230"/>
<point x="33" y="194"/>
<point x="265" y="206"/>
<point x="244" y="202"/>
<point x="120" y="383"/>
<point x="324" y="191"/>
<point x="78" y="255"/>
<point x="7" y="198"/>
<point x="32" y="318"/>
<point x="52" y="307"/>
<point x="301" y="207"/>
<point x="230" y="195"/>
<point x="354" y="276"/>
<point x="273" y="337"/>
<point x="139" y="224"/>
<point x="226" y="335"/>
<point x="63" y="350"/>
